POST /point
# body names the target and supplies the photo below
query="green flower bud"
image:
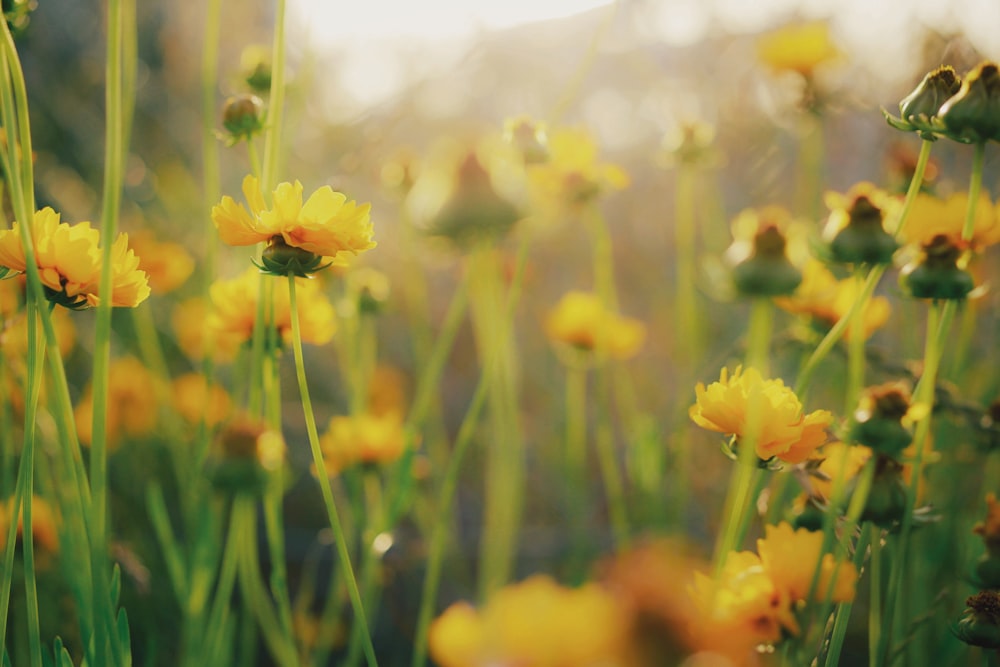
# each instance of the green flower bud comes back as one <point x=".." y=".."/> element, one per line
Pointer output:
<point x="255" y="66"/>
<point x="863" y="240"/>
<point x="918" y="111"/>
<point x="528" y="138"/>
<point x="279" y="259"/>
<point x="887" y="498"/>
<point x="937" y="275"/>
<point x="878" y="419"/>
<point x="767" y="272"/>
<point x="247" y="454"/>
<point x="18" y="13"/>
<point x="475" y="212"/>
<point x="980" y="624"/>
<point x="243" y="117"/>
<point x="972" y="115"/>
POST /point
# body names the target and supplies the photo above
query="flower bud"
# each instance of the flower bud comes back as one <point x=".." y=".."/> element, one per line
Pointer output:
<point x="937" y="274"/>
<point x="528" y="138"/>
<point x="767" y="272"/>
<point x="243" y="117"/>
<point x="919" y="110"/>
<point x="980" y="624"/>
<point x="887" y="498"/>
<point x="255" y="68"/>
<point x="17" y="14"/>
<point x="863" y="240"/>
<point x="878" y="421"/>
<point x="475" y="212"/>
<point x="972" y="115"/>
<point x="279" y="259"/>
<point x="247" y="453"/>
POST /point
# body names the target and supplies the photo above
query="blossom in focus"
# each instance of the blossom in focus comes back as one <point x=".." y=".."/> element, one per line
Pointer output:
<point x="798" y="48"/>
<point x="132" y="403"/>
<point x="327" y="225"/>
<point x="362" y="439"/>
<point x="167" y="264"/>
<point x="824" y="298"/>
<point x="69" y="262"/>
<point x="535" y="622"/>
<point x="234" y="307"/>
<point x="784" y="431"/>
<point x="581" y="320"/>
<point x="931" y="216"/>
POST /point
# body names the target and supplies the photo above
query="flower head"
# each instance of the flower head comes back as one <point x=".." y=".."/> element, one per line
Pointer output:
<point x="167" y="264"/>
<point x="798" y="48"/>
<point x="790" y="557"/>
<point x="856" y="227"/>
<point x="362" y="439"/>
<point x="918" y="112"/>
<point x="932" y="216"/>
<point x="573" y="174"/>
<point x="972" y="115"/>
<point x="132" y="403"/>
<point x="784" y="431"/>
<point x="327" y="225"/>
<point x="196" y="400"/>
<point x="580" y="319"/>
<point x="826" y="299"/>
<point x="247" y="453"/>
<point x="69" y="262"/>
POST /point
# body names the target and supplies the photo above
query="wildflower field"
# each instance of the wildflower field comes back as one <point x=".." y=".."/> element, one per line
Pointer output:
<point x="614" y="368"/>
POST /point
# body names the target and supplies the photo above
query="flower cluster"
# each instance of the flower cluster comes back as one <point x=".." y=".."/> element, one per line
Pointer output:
<point x="581" y="320"/>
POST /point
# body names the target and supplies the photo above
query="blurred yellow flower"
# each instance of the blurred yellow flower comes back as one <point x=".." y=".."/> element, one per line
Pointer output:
<point x="931" y="216"/>
<point x="387" y="391"/>
<point x="44" y="523"/>
<point x="189" y="319"/>
<point x="572" y="175"/>
<point x="167" y="264"/>
<point x="834" y="465"/>
<point x="824" y="298"/>
<point x="195" y="400"/>
<point x="327" y="224"/>
<point x="581" y="320"/>
<point x="362" y="439"/>
<point x="69" y="262"/>
<point x="535" y="623"/>
<point x="791" y="557"/>
<point x="784" y="431"/>
<point x="132" y="403"/>
<point x="234" y="306"/>
<point x="797" y="48"/>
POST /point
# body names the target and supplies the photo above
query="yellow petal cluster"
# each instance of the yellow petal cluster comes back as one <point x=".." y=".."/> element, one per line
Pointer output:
<point x="825" y="299"/>
<point x="931" y="216"/>
<point x="195" y="400"/>
<point x="69" y="261"/>
<point x="791" y="556"/>
<point x="783" y="430"/>
<point x="234" y="306"/>
<point x="797" y="48"/>
<point x="580" y="319"/>
<point x="167" y="264"/>
<point x="535" y="623"/>
<point x="573" y="174"/>
<point x="327" y="224"/>
<point x="132" y="403"/>
<point x="362" y="439"/>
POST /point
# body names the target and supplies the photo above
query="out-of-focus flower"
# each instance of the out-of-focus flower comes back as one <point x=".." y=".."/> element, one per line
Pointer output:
<point x="839" y="459"/>
<point x="972" y="115"/>
<point x="196" y="401"/>
<point x="167" y="264"/>
<point x="243" y="117"/>
<point x="987" y="568"/>
<point x="399" y="172"/>
<point x="368" y="289"/>
<point x="387" y="391"/>
<point x="573" y="175"/>
<point x="535" y="622"/>
<point x="856" y="230"/>
<point x="255" y="67"/>
<point x="791" y="557"/>
<point x="132" y="403"/>
<point x="189" y="319"/>
<point x="234" y="306"/>
<point x="798" y="48"/>
<point x="690" y="143"/>
<point x="826" y="299"/>
<point x="581" y="320"/>
<point x="918" y="112"/>
<point x="980" y="624"/>
<point x="528" y="137"/>
<point x="883" y="418"/>
<point x="69" y="262"/>
<point x="301" y="237"/>
<point x="759" y="256"/>
<point x="44" y="524"/>
<point x="784" y="431"/>
<point x="932" y="216"/>
<point x="937" y="274"/>
<point x="247" y="452"/>
<point x="363" y="439"/>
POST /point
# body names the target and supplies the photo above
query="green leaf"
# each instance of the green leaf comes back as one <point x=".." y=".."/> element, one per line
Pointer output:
<point x="116" y="585"/>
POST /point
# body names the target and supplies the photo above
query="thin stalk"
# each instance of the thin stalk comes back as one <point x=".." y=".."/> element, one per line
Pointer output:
<point x="843" y="613"/>
<point x="219" y="615"/>
<point x="875" y="605"/>
<point x="686" y="317"/>
<point x="324" y="482"/>
<point x="856" y="348"/>
<point x="276" y="106"/>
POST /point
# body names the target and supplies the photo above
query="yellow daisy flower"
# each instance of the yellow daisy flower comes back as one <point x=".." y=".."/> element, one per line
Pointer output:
<point x="798" y="48"/>
<point x="69" y="262"/>
<point x="194" y="400"/>
<point x="573" y="175"/>
<point x="785" y="432"/>
<point x="581" y="320"/>
<point x="790" y="558"/>
<point x="327" y="225"/>
<point x="44" y="524"/>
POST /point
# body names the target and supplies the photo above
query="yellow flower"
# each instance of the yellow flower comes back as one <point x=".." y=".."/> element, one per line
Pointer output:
<point x="69" y="262"/>
<point x="790" y="558"/>
<point x="572" y="175"/>
<point x="167" y="264"/>
<point x="44" y="523"/>
<point x="195" y="400"/>
<point x="234" y="306"/>
<point x="189" y="319"/>
<point x="132" y="403"/>
<point x="931" y="216"/>
<point x="387" y="391"/>
<point x="535" y="623"/>
<point x="798" y="48"/>
<point x="835" y="465"/>
<point x="326" y="225"/>
<point x="821" y="296"/>
<point x="362" y="439"/>
<point x="581" y="320"/>
<point x="725" y="406"/>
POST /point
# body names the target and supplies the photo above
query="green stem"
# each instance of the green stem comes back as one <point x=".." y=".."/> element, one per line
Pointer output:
<point x="276" y="106"/>
<point x="218" y="620"/>
<point x="875" y="604"/>
<point x="856" y="346"/>
<point x="843" y="614"/>
<point x="689" y="337"/>
<point x="324" y="481"/>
